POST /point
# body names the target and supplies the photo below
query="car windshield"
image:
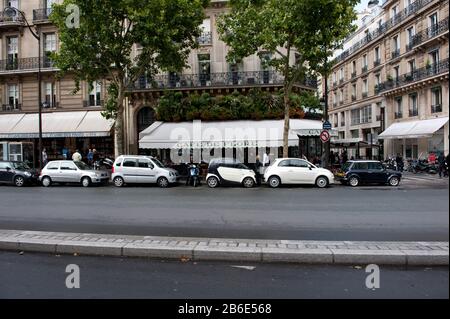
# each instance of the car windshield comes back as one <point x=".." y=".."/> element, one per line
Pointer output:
<point x="21" y="166"/>
<point x="346" y="166"/>
<point x="83" y="166"/>
<point x="158" y="163"/>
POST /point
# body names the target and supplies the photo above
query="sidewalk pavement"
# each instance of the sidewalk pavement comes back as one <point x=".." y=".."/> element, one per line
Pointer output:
<point x="236" y="250"/>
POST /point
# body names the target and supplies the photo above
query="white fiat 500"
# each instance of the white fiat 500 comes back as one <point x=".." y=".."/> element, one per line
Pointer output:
<point x="297" y="171"/>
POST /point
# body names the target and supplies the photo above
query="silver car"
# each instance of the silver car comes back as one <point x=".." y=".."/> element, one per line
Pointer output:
<point x="63" y="172"/>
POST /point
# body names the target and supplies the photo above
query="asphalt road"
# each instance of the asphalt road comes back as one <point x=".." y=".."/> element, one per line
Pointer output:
<point x="338" y="213"/>
<point x="44" y="276"/>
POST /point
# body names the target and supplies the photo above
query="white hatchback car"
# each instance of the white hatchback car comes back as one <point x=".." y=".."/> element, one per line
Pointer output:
<point x="133" y="169"/>
<point x="297" y="171"/>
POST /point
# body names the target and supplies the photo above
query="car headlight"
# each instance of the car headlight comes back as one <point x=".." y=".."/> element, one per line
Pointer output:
<point x="27" y="174"/>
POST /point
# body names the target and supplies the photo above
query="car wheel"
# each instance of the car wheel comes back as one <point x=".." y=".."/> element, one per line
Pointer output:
<point x="46" y="181"/>
<point x="248" y="182"/>
<point x="354" y="181"/>
<point x="163" y="182"/>
<point x="19" y="181"/>
<point x="322" y="182"/>
<point x="213" y="182"/>
<point x="274" y="182"/>
<point x="119" y="182"/>
<point x="394" y="181"/>
<point x="86" y="182"/>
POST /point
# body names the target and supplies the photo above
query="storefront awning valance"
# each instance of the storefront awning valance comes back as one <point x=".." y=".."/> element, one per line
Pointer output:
<point x="57" y="124"/>
<point x="414" y="129"/>
<point x="227" y="134"/>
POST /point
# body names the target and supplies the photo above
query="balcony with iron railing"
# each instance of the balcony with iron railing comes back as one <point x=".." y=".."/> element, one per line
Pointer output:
<point x="430" y="33"/>
<point x="24" y="64"/>
<point x="395" y="54"/>
<point x="365" y="94"/>
<point x="341" y="81"/>
<point x="436" y="108"/>
<point x="353" y="74"/>
<point x="41" y="15"/>
<point x="11" y="107"/>
<point x="7" y="21"/>
<point x="227" y="79"/>
<point x="413" y="112"/>
<point x="415" y="76"/>
<point x="342" y="124"/>
<point x="377" y="62"/>
<point x="205" y="38"/>
<point x="353" y="97"/>
<point x="410" y="11"/>
<point x="364" y="69"/>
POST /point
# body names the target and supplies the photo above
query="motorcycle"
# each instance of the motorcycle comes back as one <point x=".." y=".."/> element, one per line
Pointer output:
<point x="193" y="176"/>
<point x="103" y="163"/>
<point x="422" y="166"/>
<point x="390" y="164"/>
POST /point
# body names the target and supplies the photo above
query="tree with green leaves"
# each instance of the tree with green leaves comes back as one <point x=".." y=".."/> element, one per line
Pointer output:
<point x="101" y="45"/>
<point x="298" y="36"/>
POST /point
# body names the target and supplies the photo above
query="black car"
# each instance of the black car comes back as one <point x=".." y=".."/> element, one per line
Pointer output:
<point x="355" y="173"/>
<point x="17" y="173"/>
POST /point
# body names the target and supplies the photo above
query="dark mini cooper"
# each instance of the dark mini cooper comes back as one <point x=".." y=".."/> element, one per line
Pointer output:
<point x="355" y="173"/>
<point x="17" y="173"/>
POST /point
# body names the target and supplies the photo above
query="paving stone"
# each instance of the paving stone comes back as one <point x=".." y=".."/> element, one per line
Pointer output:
<point x="308" y="256"/>
<point x="227" y="253"/>
<point x="360" y="256"/>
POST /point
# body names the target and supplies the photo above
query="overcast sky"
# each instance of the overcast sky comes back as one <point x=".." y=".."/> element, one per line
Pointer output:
<point x="362" y="5"/>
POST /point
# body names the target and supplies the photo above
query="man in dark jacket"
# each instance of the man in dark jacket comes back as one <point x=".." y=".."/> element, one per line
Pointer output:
<point x="257" y="170"/>
<point x="441" y="163"/>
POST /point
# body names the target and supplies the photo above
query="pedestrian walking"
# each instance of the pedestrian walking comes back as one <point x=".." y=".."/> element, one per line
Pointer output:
<point x="44" y="157"/>
<point x="76" y="157"/>
<point x="258" y="170"/>
<point x="90" y="157"/>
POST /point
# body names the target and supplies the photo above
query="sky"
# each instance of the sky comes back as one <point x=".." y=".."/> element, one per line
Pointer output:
<point x="362" y="5"/>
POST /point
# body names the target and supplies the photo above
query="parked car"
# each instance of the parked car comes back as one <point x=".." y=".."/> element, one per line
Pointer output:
<point x="130" y="169"/>
<point x="297" y="171"/>
<point x="72" y="172"/>
<point x="17" y="173"/>
<point x="227" y="171"/>
<point x="360" y="172"/>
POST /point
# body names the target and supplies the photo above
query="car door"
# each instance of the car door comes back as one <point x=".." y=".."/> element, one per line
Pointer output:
<point x="129" y="170"/>
<point x="362" y="170"/>
<point x="6" y="174"/>
<point x="228" y="172"/>
<point x="302" y="173"/>
<point x="70" y="172"/>
<point x="377" y="173"/>
<point x="285" y="172"/>
<point x="145" y="171"/>
<point x="52" y="170"/>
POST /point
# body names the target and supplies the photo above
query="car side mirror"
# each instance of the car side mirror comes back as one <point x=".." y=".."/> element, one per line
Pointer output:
<point x="310" y="167"/>
<point x="8" y="169"/>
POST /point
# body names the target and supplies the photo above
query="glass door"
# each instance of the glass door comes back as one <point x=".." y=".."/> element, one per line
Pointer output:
<point x="13" y="52"/>
<point x="15" y="152"/>
<point x="204" y="61"/>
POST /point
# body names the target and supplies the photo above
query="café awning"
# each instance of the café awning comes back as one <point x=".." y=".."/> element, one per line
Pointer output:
<point x="57" y="124"/>
<point x="226" y="134"/>
<point x="414" y="129"/>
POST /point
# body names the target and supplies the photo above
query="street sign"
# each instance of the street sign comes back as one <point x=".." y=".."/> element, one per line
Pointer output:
<point x="325" y="136"/>
<point x="327" y="125"/>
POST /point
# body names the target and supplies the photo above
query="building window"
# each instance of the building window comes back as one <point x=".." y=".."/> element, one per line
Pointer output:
<point x="377" y="79"/>
<point x="206" y="35"/>
<point x="377" y="56"/>
<point x="12" y="3"/>
<point x="355" y="133"/>
<point x="365" y="90"/>
<point x="413" y="109"/>
<point x="13" y="97"/>
<point x="342" y="118"/>
<point x="436" y="100"/>
<point x="341" y="75"/>
<point x="399" y="108"/>
<point x="409" y="38"/>
<point x="354" y="92"/>
<point x="366" y="114"/>
<point x="341" y="97"/>
<point x="50" y="95"/>
<point x="95" y="92"/>
<point x="355" y="116"/>
<point x="397" y="73"/>
<point x="433" y="20"/>
<point x="354" y="68"/>
<point x="365" y="64"/>
<point x="13" y="52"/>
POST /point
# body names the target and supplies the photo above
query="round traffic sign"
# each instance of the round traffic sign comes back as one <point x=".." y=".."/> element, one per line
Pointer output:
<point x="325" y="136"/>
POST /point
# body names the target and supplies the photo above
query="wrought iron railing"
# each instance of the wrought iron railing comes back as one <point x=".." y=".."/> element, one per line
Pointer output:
<point x="395" y="53"/>
<point x="393" y="22"/>
<point x="11" y="108"/>
<point x="25" y="64"/>
<point x="41" y="14"/>
<point x="364" y="69"/>
<point x="353" y="75"/>
<point x="377" y="62"/>
<point x="429" y="33"/>
<point x="416" y="75"/>
<point x="205" y="38"/>
<point x="215" y="79"/>
<point x="436" y="108"/>
<point x="6" y="20"/>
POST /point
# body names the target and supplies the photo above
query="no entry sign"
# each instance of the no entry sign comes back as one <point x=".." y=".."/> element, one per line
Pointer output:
<point x="325" y="136"/>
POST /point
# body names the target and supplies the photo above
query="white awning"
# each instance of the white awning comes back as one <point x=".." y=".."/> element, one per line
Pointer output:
<point x="414" y="129"/>
<point x="8" y="122"/>
<point x="227" y="134"/>
<point x="59" y="124"/>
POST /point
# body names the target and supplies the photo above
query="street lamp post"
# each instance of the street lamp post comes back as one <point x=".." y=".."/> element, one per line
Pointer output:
<point x="12" y="12"/>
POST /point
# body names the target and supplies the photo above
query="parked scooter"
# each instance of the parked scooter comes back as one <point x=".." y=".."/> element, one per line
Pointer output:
<point x="193" y="176"/>
<point x="422" y="166"/>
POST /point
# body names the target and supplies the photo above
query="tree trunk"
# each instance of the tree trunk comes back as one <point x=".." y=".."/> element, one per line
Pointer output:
<point x="119" y="125"/>
<point x="287" y="108"/>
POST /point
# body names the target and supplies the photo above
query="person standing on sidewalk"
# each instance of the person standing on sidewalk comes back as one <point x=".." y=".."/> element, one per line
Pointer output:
<point x="257" y="169"/>
<point x="76" y="157"/>
<point x="44" y="157"/>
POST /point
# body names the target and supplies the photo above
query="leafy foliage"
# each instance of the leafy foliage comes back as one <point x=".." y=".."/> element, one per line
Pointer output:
<point x="257" y="105"/>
